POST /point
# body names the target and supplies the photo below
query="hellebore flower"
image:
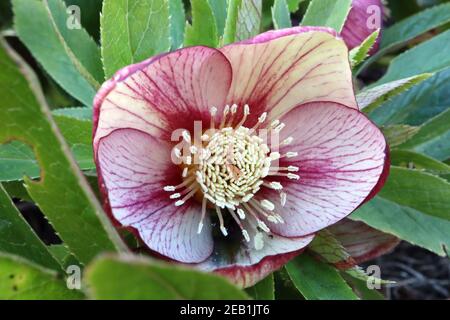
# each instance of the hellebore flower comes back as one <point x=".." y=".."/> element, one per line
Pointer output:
<point x="182" y="162"/>
<point x="364" y="18"/>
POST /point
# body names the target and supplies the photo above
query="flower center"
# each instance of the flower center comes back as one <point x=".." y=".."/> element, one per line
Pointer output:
<point x="232" y="166"/>
<point x="228" y="167"/>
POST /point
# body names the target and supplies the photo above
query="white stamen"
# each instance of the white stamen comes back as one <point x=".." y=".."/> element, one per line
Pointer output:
<point x="293" y="176"/>
<point x="262" y="117"/>
<point x="224" y="231"/>
<point x="179" y="203"/>
<point x="246" y="110"/>
<point x="274" y="156"/>
<point x="287" y="141"/>
<point x="283" y="198"/>
<point x="185" y="172"/>
<point x="169" y="188"/>
<point x="258" y="240"/>
<point x="266" y="204"/>
<point x="263" y="226"/>
<point x="292" y="169"/>
<point x="241" y="213"/>
<point x="274" y="123"/>
<point x="175" y="196"/>
<point x="222" y="227"/>
<point x="213" y="111"/>
<point x="200" y="225"/>
<point x="291" y="154"/>
<point x="276" y="185"/>
<point x="279" y="127"/>
<point x="246" y="236"/>
<point x="234" y="108"/>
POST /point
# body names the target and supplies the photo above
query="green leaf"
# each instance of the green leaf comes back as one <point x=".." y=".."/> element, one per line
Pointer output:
<point x="280" y="15"/>
<point x="90" y="17"/>
<point x="18" y="238"/>
<point x="360" y="53"/>
<point x="407" y="223"/>
<point x="417" y="161"/>
<point x="263" y="290"/>
<point x="327" y="13"/>
<point x="284" y="287"/>
<point x="78" y="134"/>
<point x="17" y="159"/>
<point x="317" y="280"/>
<point x="249" y="19"/>
<point x="401" y="33"/>
<point x="360" y="287"/>
<point x="229" y="34"/>
<point x="419" y="104"/>
<point x="81" y="113"/>
<point x="71" y="57"/>
<point x="16" y="189"/>
<point x="203" y="30"/>
<point x="132" y="31"/>
<point x="330" y="249"/>
<point x="371" y="98"/>
<point x="63" y="255"/>
<point x="430" y="56"/>
<point x="219" y="9"/>
<point x="62" y="193"/>
<point x="139" y="278"/>
<point x="294" y="5"/>
<point x="399" y="133"/>
<point x="177" y="23"/>
<point x="433" y="138"/>
<point x="22" y="280"/>
<point x="418" y="190"/>
<point x="414" y="206"/>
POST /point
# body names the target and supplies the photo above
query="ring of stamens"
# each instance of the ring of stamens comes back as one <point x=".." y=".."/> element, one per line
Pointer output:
<point x="228" y="167"/>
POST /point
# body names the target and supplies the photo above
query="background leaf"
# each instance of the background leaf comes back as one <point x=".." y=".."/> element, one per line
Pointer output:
<point x="414" y="206"/>
<point x="132" y="31"/>
<point x="406" y="30"/>
<point x="417" y="105"/>
<point x="229" y="34"/>
<point x="263" y="290"/>
<point x="327" y="13"/>
<point x="18" y="238"/>
<point x="177" y="23"/>
<point x="21" y="280"/>
<point x="418" y="59"/>
<point x="433" y="138"/>
<point x="62" y="193"/>
<point x="398" y="134"/>
<point x="17" y="158"/>
<point x="370" y="99"/>
<point x="417" y="161"/>
<point x="138" y="278"/>
<point x="219" y="9"/>
<point x="317" y="280"/>
<point x="249" y="19"/>
<point x="71" y="57"/>
<point x="280" y="15"/>
<point x="360" y="53"/>
<point x="203" y="30"/>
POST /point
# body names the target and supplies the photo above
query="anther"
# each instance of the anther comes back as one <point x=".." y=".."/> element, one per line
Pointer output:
<point x="266" y="204"/>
